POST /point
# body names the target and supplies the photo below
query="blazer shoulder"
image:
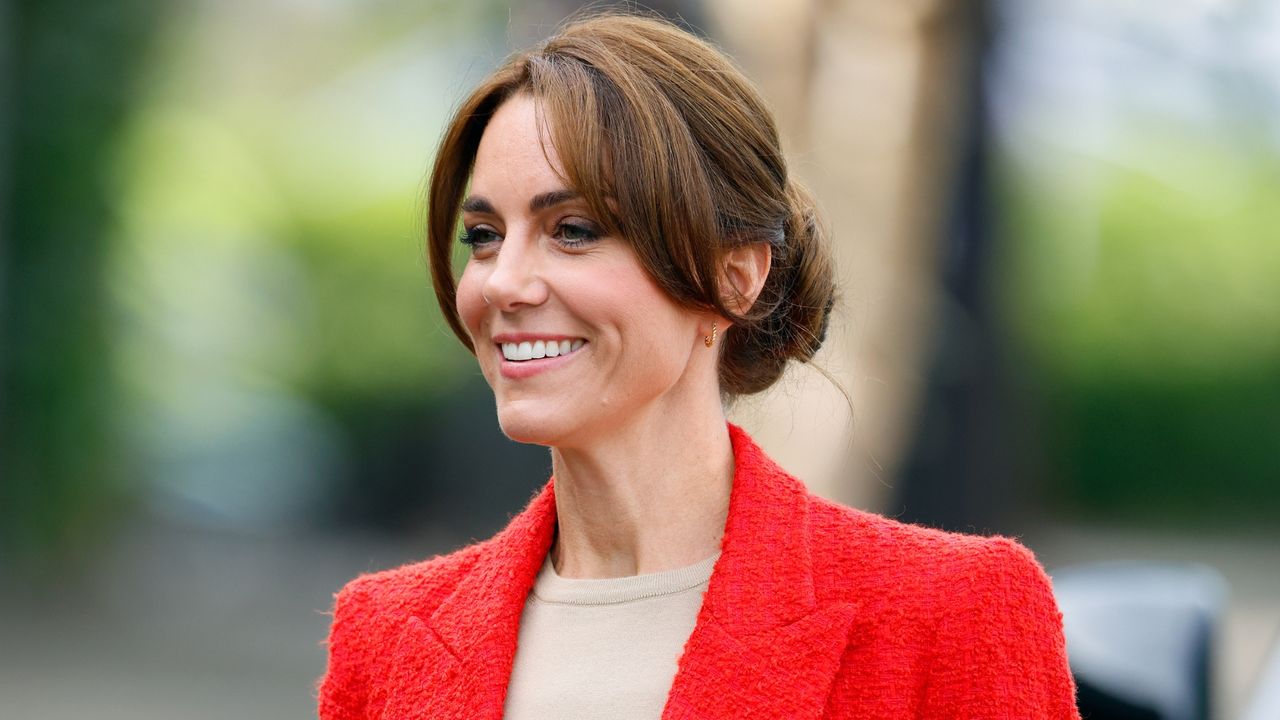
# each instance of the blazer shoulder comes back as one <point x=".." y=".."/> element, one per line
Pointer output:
<point x="368" y="613"/>
<point x="902" y="562"/>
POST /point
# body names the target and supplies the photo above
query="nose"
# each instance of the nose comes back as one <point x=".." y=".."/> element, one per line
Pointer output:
<point x="515" y="280"/>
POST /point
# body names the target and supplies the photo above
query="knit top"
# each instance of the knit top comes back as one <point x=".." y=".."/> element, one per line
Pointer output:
<point x="596" y="648"/>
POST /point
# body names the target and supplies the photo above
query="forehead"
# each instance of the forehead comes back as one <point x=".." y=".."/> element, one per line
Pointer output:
<point x="516" y="154"/>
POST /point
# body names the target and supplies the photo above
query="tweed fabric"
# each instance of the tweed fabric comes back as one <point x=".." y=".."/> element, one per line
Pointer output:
<point x="814" y="610"/>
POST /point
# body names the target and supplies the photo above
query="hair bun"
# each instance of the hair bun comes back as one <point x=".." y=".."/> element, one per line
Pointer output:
<point x="797" y="299"/>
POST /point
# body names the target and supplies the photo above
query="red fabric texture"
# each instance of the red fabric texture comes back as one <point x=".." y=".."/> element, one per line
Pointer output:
<point x="813" y="610"/>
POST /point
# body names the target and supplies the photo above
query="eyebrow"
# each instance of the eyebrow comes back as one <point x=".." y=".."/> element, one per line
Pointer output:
<point x="539" y="202"/>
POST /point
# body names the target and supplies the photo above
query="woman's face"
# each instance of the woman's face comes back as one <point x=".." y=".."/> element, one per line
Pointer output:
<point x="571" y="333"/>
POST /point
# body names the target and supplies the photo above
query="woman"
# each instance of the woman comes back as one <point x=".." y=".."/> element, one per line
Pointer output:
<point x="639" y="254"/>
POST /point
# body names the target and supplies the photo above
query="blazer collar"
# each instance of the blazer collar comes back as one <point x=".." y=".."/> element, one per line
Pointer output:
<point x="760" y="630"/>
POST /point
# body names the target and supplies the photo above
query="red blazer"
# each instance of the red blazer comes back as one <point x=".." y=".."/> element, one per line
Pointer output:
<point x="814" y="610"/>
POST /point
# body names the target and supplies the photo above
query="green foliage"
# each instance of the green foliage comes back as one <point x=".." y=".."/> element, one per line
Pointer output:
<point x="1195" y="451"/>
<point x="233" y="262"/>
<point x="1145" y="295"/>
<point x="74" y="72"/>
<point x="201" y="215"/>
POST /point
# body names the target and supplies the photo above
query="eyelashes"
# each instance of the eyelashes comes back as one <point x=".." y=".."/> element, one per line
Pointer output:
<point x="576" y="234"/>
<point x="568" y="234"/>
<point x="475" y="236"/>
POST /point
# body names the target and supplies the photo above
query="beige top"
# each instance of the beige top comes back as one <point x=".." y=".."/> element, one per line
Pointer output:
<point x="603" y="648"/>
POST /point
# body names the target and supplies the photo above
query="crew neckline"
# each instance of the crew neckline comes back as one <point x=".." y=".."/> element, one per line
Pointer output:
<point x="550" y="588"/>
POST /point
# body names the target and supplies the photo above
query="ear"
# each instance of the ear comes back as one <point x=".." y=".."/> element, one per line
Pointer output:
<point x="742" y="274"/>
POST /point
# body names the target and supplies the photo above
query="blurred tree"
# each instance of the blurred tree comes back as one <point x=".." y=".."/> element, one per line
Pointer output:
<point x="69" y="73"/>
<point x="874" y="102"/>
<point x="968" y="464"/>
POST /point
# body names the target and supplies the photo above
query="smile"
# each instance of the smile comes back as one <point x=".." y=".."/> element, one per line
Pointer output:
<point x="538" y="349"/>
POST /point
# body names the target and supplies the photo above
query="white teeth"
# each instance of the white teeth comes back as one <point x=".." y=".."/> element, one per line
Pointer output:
<point x="517" y="352"/>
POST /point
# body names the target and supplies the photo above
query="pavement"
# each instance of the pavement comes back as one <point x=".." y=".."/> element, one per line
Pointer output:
<point x="1248" y="561"/>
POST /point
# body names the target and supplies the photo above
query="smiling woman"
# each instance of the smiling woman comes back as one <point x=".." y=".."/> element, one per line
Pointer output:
<point x="543" y="270"/>
<point x="638" y="253"/>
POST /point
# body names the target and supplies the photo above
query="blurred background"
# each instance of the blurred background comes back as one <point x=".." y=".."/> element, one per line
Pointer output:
<point x="225" y="389"/>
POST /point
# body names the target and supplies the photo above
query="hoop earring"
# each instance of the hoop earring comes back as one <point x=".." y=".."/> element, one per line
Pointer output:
<point x="710" y="340"/>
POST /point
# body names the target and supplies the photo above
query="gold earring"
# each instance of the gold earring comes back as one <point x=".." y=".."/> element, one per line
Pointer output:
<point x="710" y="340"/>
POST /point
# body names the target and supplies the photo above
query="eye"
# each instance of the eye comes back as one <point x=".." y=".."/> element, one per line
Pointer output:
<point x="478" y="236"/>
<point x="576" y="234"/>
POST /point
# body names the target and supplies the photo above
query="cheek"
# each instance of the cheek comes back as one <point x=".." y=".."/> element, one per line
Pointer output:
<point x="654" y="329"/>
<point x="470" y="300"/>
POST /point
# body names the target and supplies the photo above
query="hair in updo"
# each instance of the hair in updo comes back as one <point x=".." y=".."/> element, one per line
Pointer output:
<point x="673" y="150"/>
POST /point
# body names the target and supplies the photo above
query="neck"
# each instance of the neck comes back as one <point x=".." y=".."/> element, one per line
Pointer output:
<point x="651" y="496"/>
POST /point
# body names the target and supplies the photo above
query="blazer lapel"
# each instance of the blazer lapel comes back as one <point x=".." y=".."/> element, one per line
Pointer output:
<point x="780" y="672"/>
<point x="455" y="663"/>
<point x="762" y="647"/>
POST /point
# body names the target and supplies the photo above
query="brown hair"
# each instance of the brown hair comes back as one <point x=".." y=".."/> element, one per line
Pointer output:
<point x="673" y="149"/>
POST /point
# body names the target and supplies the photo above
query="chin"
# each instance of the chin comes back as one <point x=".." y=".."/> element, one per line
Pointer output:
<point x="532" y="428"/>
